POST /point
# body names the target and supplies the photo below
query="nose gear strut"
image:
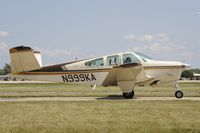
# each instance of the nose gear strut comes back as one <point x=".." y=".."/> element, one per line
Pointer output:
<point x="178" y="93"/>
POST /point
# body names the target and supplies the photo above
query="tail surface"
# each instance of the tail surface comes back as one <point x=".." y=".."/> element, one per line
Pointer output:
<point x="24" y="59"/>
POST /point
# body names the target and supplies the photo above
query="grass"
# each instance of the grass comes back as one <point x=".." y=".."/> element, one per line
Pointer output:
<point x="101" y="116"/>
<point x="113" y="116"/>
<point x="61" y="89"/>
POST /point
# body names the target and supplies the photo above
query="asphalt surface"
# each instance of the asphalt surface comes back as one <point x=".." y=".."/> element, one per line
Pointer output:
<point x="27" y="99"/>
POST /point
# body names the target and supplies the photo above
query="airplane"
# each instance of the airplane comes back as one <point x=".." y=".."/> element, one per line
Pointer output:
<point x="125" y="70"/>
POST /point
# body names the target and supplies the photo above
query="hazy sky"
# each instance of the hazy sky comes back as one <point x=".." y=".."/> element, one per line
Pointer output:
<point x="63" y="30"/>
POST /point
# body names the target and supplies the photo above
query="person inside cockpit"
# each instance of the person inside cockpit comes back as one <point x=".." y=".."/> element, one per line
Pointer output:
<point x="130" y="58"/>
<point x="127" y="60"/>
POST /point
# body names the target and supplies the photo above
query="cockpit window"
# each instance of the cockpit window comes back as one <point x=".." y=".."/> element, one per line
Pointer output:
<point x="113" y="60"/>
<point x="130" y="58"/>
<point x="95" y="63"/>
<point x="143" y="56"/>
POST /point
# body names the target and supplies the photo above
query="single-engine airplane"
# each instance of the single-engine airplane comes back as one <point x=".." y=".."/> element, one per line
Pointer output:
<point x="125" y="70"/>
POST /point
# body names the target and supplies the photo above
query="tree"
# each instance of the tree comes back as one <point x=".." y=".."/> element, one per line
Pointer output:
<point x="7" y="68"/>
<point x="187" y="74"/>
<point x="2" y="72"/>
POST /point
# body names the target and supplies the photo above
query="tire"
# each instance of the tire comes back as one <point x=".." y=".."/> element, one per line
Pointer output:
<point x="128" y="95"/>
<point x="178" y="94"/>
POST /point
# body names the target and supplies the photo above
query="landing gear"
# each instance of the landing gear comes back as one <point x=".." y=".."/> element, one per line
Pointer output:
<point x="128" y="95"/>
<point x="178" y="93"/>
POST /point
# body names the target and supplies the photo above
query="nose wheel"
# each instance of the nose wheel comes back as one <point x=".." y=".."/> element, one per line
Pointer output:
<point x="178" y="93"/>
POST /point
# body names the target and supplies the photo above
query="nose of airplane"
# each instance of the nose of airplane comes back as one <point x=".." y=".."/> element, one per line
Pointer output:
<point x="185" y="66"/>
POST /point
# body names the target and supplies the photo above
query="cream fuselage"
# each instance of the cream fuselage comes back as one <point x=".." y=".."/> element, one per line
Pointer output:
<point x="145" y="72"/>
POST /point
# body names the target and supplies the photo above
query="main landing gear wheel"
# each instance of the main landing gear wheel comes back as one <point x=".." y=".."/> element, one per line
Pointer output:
<point x="128" y="95"/>
<point x="178" y="94"/>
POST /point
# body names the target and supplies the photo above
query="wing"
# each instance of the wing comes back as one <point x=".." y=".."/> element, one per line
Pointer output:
<point x="123" y="75"/>
<point x="126" y="76"/>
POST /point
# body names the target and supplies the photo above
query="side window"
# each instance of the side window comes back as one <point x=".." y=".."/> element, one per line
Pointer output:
<point x="113" y="60"/>
<point x="130" y="58"/>
<point x="95" y="63"/>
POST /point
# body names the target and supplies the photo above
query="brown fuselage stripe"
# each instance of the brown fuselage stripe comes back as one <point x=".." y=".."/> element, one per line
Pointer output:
<point x="60" y="73"/>
<point x="92" y="71"/>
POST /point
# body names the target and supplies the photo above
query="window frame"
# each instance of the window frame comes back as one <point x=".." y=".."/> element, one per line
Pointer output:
<point x="118" y="63"/>
<point x="94" y="60"/>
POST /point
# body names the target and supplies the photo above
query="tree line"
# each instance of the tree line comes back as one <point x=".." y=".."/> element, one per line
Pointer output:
<point x="189" y="73"/>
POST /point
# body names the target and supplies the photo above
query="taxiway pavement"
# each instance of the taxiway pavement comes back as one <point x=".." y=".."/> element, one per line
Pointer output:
<point x="27" y="99"/>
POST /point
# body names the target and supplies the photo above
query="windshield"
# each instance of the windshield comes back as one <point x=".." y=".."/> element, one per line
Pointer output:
<point x="143" y="56"/>
<point x="129" y="59"/>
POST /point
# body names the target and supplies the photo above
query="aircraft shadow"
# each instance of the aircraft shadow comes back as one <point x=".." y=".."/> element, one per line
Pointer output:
<point x="111" y="97"/>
